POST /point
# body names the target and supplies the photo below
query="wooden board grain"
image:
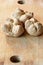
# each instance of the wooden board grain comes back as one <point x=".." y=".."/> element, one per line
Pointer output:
<point x="28" y="48"/>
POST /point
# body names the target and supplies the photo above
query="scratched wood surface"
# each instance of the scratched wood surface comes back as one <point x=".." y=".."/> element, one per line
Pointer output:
<point x="28" y="48"/>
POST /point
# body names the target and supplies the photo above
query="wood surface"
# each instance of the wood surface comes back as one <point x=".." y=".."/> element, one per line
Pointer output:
<point x="28" y="48"/>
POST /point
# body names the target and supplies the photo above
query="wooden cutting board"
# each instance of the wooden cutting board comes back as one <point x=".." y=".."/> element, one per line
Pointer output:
<point x="28" y="48"/>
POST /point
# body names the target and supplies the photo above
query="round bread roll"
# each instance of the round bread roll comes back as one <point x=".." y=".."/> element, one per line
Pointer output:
<point x="34" y="29"/>
<point x="13" y="27"/>
<point x="18" y="12"/>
